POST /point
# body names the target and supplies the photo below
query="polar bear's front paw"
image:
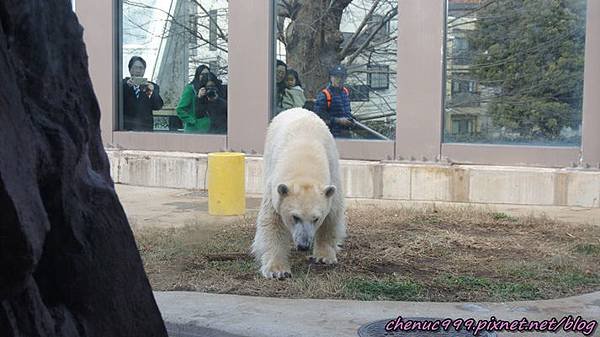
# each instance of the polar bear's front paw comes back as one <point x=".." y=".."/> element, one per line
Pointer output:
<point x="279" y="272"/>
<point x="323" y="255"/>
<point x="329" y="260"/>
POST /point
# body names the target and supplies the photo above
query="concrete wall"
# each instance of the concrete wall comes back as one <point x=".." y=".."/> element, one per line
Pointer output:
<point x="383" y="180"/>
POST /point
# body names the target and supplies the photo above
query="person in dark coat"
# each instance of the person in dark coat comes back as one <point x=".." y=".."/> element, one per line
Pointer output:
<point x="140" y="98"/>
<point x="280" y="78"/>
<point x="211" y="104"/>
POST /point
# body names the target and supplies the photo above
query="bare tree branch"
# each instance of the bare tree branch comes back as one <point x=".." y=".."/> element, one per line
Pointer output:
<point x="388" y="16"/>
<point x="222" y="35"/>
<point x="470" y="13"/>
<point x="280" y="26"/>
<point x="372" y="46"/>
<point x="343" y="3"/>
<point x="174" y="20"/>
<point x="366" y="19"/>
<point x="288" y="8"/>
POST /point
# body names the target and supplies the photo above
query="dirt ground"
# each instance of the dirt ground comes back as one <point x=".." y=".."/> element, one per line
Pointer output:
<point x="420" y="254"/>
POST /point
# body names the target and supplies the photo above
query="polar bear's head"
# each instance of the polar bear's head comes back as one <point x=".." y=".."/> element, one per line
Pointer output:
<point x="303" y="205"/>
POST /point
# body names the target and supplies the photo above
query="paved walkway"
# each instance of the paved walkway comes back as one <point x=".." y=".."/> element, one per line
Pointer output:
<point x="275" y="317"/>
<point x="189" y="314"/>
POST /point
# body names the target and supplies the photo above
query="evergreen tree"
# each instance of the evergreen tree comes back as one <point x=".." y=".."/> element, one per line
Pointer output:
<point x="532" y="52"/>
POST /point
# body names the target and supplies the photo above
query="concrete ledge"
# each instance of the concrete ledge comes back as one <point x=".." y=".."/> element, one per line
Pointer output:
<point x="254" y="175"/>
<point x="583" y="188"/>
<point x="398" y="178"/>
<point x="383" y="180"/>
<point x="512" y="185"/>
<point x="361" y="179"/>
<point x="114" y="157"/>
<point x="161" y="169"/>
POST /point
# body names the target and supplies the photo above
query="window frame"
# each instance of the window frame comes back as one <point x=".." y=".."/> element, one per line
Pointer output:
<point x="527" y="155"/>
<point x="153" y="140"/>
<point x="380" y="67"/>
<point x="347" y="148"/>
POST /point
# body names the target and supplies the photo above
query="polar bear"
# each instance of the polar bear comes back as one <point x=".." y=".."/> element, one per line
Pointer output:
<point x="302" y="200"/>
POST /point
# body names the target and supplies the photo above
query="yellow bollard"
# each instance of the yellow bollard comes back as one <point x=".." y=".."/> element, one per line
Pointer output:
<point x="226" y="183"/>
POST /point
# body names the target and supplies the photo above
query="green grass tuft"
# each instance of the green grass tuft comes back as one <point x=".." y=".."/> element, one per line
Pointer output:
<point x="395" y="290"/>
<point x="590" y="249"/>
<point x="499" y="216"/>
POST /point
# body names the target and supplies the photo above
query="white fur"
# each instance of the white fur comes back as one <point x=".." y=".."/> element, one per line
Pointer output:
<point x="299" y="151"/>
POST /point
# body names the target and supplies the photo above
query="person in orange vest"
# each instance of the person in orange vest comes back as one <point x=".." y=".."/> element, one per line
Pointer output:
<point x="333" y="103"/>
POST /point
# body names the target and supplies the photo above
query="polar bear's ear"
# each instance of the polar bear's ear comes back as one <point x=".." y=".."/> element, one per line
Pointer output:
<point x="329" y="190"/>
<point x="282" y="189"/>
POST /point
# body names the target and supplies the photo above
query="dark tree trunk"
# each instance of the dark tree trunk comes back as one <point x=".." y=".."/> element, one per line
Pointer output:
<point x="313" y="42"/>
<point x="68" y="260"/>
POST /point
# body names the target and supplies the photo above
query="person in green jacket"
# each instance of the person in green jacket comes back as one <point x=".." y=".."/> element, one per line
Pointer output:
<point x="186" y="109"/>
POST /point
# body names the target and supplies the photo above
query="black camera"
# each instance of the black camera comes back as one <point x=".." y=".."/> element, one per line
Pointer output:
<point x="211" y="93"/>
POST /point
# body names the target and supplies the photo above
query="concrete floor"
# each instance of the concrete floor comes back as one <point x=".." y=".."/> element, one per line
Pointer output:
<point x="167" y="207"/>
<point x="270" y="317"/>
<point x="190" y="314"/>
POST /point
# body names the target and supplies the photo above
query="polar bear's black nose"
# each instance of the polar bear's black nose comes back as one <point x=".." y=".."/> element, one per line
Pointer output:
<point x="302" y="248"/>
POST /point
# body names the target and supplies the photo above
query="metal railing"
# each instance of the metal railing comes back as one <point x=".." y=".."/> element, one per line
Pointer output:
<point x="369" y="130"/>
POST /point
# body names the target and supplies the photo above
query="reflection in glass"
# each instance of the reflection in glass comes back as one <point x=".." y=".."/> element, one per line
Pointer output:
<point x="514" y="71"/>
<point x="175" y="38"/>
<point x="202" y="107"/>
<point x="338" y="59"/>
<point x="140" y="97"/>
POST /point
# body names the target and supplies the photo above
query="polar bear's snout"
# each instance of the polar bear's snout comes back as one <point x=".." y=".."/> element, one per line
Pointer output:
<point x="304" y="234"/>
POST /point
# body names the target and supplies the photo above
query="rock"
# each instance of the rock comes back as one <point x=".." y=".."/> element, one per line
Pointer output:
<point x="69" y="265"/>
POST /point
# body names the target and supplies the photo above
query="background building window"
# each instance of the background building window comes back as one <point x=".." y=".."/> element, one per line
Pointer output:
<point x="378" y="77"/>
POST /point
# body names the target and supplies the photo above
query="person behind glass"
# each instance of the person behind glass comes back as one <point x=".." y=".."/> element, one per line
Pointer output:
<point x="280" y="77"/>
<point x="293" y="95"/>
<point x="140" y="98"/>
<point x="186" y="108"/>
<point x="333" y="103"/>
<point x="211" y="104"/>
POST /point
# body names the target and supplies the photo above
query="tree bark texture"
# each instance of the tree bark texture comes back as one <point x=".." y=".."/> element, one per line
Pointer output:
<point x="69" y="265"/>
<point x="313" y="42"/>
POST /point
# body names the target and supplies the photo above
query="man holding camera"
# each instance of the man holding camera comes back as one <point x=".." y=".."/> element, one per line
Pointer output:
<point x="140" y="98"/>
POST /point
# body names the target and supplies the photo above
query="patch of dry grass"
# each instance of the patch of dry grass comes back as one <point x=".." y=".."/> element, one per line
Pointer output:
<point x="433" y="254"/>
